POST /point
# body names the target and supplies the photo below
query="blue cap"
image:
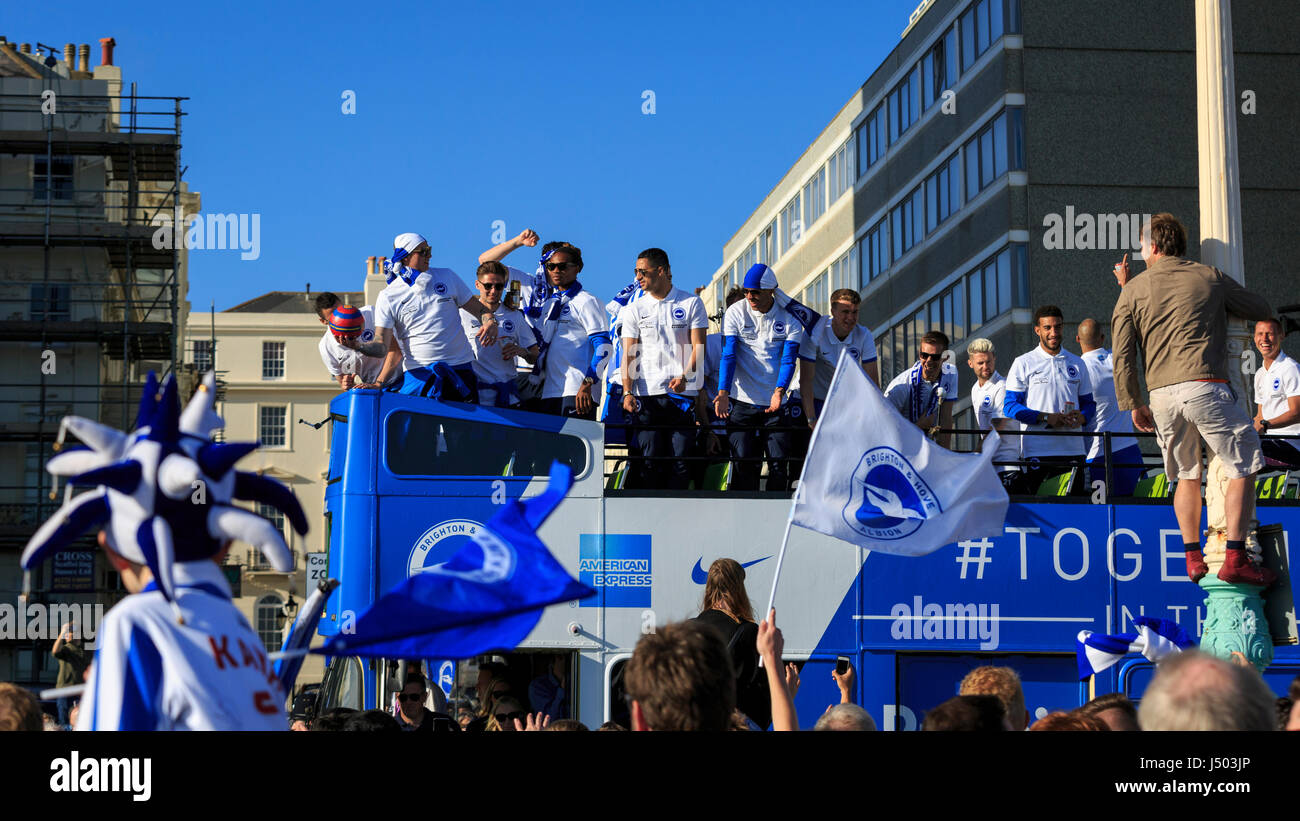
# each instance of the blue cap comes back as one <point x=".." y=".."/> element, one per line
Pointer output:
<point x="759" y="277"/>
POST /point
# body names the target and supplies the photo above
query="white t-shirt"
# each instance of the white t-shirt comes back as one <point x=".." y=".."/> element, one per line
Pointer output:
<point x="760" y="340"/>
<point x="1274" y="386"/>
<point x="663" y="327"/>
<point x="570" y="353"/>
<point x="340" y="360"/>
<point x="511" y="327"/>
<point x="899" y="390"/>
<point x="823" y="347"/>
<point x="1101" y="373"/>
<point x="211" y="673"/>
<point x="392" y="291"/>
<point x="427" y="316"/>
<point x="986" y="400"/>
<point x="1049" y="384"/>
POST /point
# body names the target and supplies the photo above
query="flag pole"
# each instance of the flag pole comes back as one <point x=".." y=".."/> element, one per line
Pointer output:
<point x="776" y="576"/>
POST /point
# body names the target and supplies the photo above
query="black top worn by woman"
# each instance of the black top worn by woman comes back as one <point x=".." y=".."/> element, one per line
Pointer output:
<point x="752" y="696"/>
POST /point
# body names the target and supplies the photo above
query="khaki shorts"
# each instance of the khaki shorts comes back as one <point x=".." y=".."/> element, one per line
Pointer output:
<point x="1188" y="412"/>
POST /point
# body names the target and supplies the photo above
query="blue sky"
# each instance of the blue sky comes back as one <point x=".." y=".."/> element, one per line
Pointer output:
<point x="470" y="113"/>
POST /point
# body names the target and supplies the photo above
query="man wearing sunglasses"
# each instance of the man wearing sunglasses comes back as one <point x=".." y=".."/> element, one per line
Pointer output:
<point x="425" y="319"/>
<point x="925" y="392"/>
<point x="495" y="366"/>
<point x="575" y="336"/>
<point x="413" y="716"/>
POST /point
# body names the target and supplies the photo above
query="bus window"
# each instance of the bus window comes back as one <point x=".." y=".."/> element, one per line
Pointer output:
<point x="620" y="712"/>
<point x="343" y="686"/>
<point x="419" y="444"/>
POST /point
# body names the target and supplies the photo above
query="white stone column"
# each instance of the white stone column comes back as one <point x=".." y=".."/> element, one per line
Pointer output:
<point x="1219" y="173"/>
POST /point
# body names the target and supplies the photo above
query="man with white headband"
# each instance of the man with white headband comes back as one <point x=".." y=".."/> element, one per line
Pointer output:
<point x="424" y="317"/>
<point x="760" y="346"/>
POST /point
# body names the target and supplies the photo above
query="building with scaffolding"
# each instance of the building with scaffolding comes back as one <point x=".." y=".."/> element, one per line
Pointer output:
<point x="88" y="302"/>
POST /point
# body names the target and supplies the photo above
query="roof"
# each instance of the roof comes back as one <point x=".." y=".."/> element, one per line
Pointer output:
<point x="292" y="302"/>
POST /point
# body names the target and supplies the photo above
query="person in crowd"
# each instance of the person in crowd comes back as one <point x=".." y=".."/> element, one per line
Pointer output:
<point x="611" y="727"/>
<point x="727" y="610"/>
<point x="494" y="366"/>
<point x="505" y="711"/>
<point x="986" y="397"/>
<point x="1293" y="693"/>
<point x="1004" y="683"/>
<point x="837" y="332"/>
<point x="332" y="720"/>
<point x="425" y="319"/>
<point x="782" y="687"/>
<point x="1175" y="315"/>
<point x="547" y="693"/>
<point x="412" y="715"/>
<point x="70" y="652"/>
<point x="925" y="393"/>
<point x="1061" y="721"/>
<point x="1115" y="710"/>
<point x="19" y="709"/>
<point x="680" y="678"/>
<point x="981" y="714"/>
<point x="663" y="334"/>
<point x="1049" y="389"/>
<point x="370" y="721"/>
<point x="845" y="717"/>
<point x="566" y="725"/>
<point x="759" y="349"/>
<point x="50" y="724"/>
<point x="349" y="367"/>
<point x="1277" y="395"/>
<point x="1196" y="691"/>
<point x="1125" y="453"/>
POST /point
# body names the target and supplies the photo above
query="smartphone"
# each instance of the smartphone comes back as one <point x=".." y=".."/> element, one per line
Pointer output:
<point x="841" y="665"/>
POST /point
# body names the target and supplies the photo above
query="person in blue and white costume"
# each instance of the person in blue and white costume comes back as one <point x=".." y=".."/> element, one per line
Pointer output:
<point x="176" y="654"/>
<point x="925" y="393"/>
<point x="495" y="366"/>
<point x="1049" y="389"/>
<point x="1125" y="453"/>
<point x="760" y="345"/>
<point x="437" y="360"/>
<point x="987" y="396"/>
<point x="819" y="356"/>
<point x="662" y="371"/>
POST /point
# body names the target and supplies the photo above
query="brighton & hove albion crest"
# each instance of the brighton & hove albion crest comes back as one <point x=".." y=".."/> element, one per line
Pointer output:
<point x="367" y="335"/>
<point x="440" y="288"/>
<point x="493" y="562"/>
<point x="889" y="499"/>
<point x="439" y="543"/>
<point x="679" y="313"/>
<point x="778" y="328"/>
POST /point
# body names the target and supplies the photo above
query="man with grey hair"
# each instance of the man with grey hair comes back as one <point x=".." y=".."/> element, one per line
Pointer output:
<point x="1196" y="691"/>
<point x="846" y="717"/>
<point x="986" y="397"/>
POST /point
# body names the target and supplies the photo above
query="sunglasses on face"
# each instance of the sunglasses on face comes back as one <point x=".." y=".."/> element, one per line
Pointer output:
<point x="925" y="355"/>
<point x="424" y="252"/>
<point x="558" y="266"/>
<point x="642" y="272"/>
<point x="410" y="697"/>
<point x="753" y="292"/>
<point x="510" y="717"/>
<point x="492" y="286"/>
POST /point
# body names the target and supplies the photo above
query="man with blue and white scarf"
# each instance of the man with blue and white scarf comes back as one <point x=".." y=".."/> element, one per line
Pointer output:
<point x="925" y="392"/>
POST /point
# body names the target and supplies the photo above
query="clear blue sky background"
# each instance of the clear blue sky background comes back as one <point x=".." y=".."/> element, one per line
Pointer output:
<point x="469" y="113"/>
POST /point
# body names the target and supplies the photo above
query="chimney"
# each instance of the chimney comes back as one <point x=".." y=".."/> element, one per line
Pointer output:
<point x="309" y="289"/>
<point x="106" y="50"/>
<point x="83" y="57"/>
<point x="25" y="48"/>
<point x="370" y="266"/>
<point x="69" y="52"/>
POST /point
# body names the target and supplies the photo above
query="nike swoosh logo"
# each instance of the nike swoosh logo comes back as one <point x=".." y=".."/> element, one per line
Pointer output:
<point x="699" y="575"/>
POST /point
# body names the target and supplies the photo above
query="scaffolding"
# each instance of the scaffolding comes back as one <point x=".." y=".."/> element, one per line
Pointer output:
<point x="91" y="277"/>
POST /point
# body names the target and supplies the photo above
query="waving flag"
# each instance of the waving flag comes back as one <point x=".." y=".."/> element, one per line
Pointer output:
<point x="873" y="479"/>
<point x="299" y="638"/>
<point x="488" y="596"/>
<point x="1155" y="639"/>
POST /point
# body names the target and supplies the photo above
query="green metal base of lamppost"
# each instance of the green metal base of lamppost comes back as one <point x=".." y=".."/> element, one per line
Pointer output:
<point x="1235" y="622"/>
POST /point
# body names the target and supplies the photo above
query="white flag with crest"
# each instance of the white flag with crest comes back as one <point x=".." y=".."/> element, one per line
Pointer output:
<point x="874" y="479"/>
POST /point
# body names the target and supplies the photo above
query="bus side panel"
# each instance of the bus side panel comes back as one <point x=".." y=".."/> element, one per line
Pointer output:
<point x="352" y="533"/>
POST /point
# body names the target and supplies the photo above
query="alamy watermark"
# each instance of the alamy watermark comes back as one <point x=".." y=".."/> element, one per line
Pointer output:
<point x="25" y="621"/>
<point x="1093" y="232"/>
<point x="210" y="232"/>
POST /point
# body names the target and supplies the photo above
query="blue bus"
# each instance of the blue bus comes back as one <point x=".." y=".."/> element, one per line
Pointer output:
<point x="410" y="479"/>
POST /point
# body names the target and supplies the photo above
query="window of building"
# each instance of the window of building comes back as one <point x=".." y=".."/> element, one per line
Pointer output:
<point x="844" y="272"/>
<point x="938" y="68"/>
<point x="203" y="350"/>
<point x="981" y="26"/>
<point x="942" y="193"/>
<point x="272" y="360"/>
<point x="814" y="198"/>
<point x="904" y="104"/>
<point x="871" y="138"/>
<point x="271" y="426"/>
<point x="52" y="178"/>
<point x="767" y="245"/>
<point x="907" y="222"/>
<point x="792" y="227"/>
<point x="50" y="302"/>
<point x="841" y="169"/>
<point x="996" y="149"/>
<point x="273" y="515"/>
<point x="873" y="251"/>
<point x="269" y="617"/>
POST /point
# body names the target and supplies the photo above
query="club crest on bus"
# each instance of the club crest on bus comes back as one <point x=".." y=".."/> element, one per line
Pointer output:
<point x="439" y="543"/>
<point x="493" y="562"/>
<point x="890" y="500"/>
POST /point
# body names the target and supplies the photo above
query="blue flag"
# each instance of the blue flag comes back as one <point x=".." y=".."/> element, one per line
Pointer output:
<point x="1155" y="639"/>
<point x="299" y="638"/>
<point x="488" y="596"/>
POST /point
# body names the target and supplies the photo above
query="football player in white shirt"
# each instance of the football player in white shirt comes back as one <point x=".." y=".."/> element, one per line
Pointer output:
<point x="575" y="336"/>
<point x="1125" y="453"/>
<point x="925" y="393"/>
<point x="663" y="334"/>
<point x="986" y="397"/>
<point x="438" y="359"/>
<point x="760" y="345"/>
<point x="1277" y="392"/>
<point x="495" y="366"/>
<point x="819" y="355"/>
<point x="1049" y="388"/>
<point x="350" y="368"/>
